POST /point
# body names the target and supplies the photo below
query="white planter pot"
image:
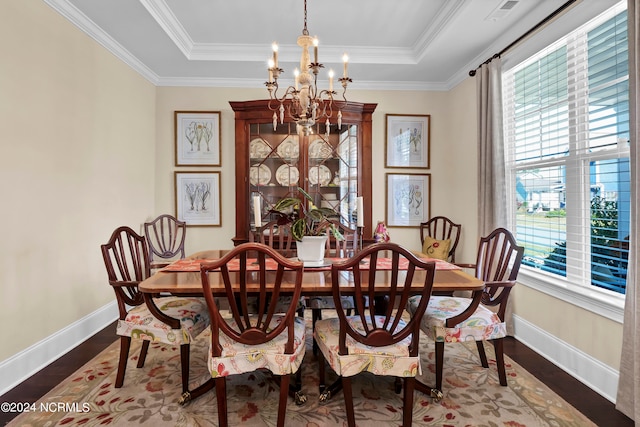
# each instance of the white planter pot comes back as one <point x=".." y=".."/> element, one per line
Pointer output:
<point x="311" y="250"/>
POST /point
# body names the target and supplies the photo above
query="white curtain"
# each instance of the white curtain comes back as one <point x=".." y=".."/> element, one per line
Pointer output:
<point x="492" y="199"/>
<point x="628" y="399"/>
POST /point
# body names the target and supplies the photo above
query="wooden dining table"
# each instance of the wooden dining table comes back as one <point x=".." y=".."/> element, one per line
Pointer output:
<point x="183" y="278"/>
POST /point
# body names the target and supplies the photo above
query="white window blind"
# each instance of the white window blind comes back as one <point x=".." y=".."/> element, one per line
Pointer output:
<point x="567" y="147"/>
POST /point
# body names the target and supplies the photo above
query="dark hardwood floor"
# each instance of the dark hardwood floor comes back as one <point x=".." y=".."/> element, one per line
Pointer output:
<point x="591" y="404"/>
<point x="598" y="409"/>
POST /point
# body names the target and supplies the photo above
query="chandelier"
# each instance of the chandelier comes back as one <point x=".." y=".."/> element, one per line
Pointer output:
<point x="308" y="104"/>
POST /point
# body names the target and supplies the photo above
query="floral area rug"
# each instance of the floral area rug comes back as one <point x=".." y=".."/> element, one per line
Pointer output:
<point x="149" y="396"/>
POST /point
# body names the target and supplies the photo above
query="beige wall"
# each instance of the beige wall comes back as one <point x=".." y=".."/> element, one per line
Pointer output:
<point x="593" y="334"/>
<point x="87" y="145"/>
<point x="77" y="147"/>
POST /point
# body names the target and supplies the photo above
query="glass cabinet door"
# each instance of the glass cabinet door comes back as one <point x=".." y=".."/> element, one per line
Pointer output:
<point x="324" y="164"/>
<point x="274" y="170"/>
<point x="333" y="171"/>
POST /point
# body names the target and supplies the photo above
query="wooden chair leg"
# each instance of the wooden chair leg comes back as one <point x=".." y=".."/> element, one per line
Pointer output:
<point x="348" y="401"/>
<point x="221" y="396"/>
<point x="502" y="374"/>
<point x="321" y="371"/>
<point x="407" y="408"/>
<point x="316" y="314"/>
<point x="397" y="385"/>
<point x="482" y="354"/>
<point x="125" y="343"/>
<point x="143" y="353"/>
<point x="184" y="365"/>
<point x="284" y="396"/>
<point x="439" y="364"/>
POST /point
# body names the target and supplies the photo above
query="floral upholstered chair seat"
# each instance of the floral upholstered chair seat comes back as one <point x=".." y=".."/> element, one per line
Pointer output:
<point x="141" y="323"/>
<point x="389" y="360"/>
<point x="482" y="325"/>
<point x="238" y="358"/>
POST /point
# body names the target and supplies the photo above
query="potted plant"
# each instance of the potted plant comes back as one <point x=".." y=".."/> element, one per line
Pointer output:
<point x="308" y="225"/>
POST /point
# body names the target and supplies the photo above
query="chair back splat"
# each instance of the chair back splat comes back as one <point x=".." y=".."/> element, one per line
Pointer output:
<point x="341" y="248"/>
<point x="166" y="237"/>
<point x="276" y="236"/>
<point x="498" y="261"/>
<point x="381" y="316"/>
<point x="126" y="259"/>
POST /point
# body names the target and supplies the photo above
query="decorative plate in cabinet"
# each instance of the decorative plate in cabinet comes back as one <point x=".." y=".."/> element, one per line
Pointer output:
<point x="259" y="175"/>
<point x="258" y="149"/>
<point x="287" y="175"/>
<point x="319" y="149"/>
<point x="319" y="175"/>
<point x="289" y="148"/>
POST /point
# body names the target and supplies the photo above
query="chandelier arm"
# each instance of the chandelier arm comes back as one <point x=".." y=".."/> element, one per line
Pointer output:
<point x="329" y="105"/>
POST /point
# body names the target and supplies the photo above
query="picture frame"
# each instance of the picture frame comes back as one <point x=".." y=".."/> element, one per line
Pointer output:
<point x="197" y="198"/>
<point x="408" y="199"/>
<point x="408" y="139"/>
<point x="197" y="138"/>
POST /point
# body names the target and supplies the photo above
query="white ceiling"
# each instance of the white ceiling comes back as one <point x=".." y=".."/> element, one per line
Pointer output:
<point x="399" y="44"/>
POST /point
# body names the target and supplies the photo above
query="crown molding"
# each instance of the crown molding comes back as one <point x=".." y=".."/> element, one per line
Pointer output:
<point x="77" y="18"/>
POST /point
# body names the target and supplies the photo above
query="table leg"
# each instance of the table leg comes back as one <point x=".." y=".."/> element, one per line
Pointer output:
<point x="434" y="393"/>
<point x="330" y="391"/>
<point x="188" y="396"/>
<point x="295" y="391"/>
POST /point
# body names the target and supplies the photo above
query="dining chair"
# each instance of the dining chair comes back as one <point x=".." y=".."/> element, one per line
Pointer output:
<point x="340" y="248"/>
<point x="243" y="342"/>
<point x="380" y="337"/>
<point x="335" y="248"/>
<point x="165" y="236"/>
<point x="169" y="320"/>
<point x="441" y="236"/>
<point x="497" y="264"/>
<point x="276" y="236"/>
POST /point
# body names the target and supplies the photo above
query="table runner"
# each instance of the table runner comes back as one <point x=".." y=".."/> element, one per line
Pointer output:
<point x="193" y="265"/>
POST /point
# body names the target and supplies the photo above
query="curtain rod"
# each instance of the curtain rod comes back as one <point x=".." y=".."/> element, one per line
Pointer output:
<point x="522" y="37"/>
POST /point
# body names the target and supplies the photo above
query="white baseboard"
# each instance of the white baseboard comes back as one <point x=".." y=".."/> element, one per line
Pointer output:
<point x="601" y="378"/>
<point x="22" y="365"/>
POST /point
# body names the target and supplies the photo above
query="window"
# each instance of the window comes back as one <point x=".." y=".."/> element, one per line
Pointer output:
<point x="567" y="156"/>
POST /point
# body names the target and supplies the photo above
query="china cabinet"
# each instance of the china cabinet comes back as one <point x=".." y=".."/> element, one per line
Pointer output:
<point x="333" y="165"/>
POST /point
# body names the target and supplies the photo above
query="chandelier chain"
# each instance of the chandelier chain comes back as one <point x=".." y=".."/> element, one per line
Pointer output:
<point x="305" y="31"/>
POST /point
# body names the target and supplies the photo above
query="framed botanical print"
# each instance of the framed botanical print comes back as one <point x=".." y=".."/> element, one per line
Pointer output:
<point x="197" y="196"/>
<point x="408" y="199"/>
<point x="197" y="135"/>
<point x="407" y="141"/>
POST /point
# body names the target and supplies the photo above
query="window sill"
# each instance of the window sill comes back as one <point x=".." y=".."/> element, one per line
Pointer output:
<point x="599" y="301"/>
